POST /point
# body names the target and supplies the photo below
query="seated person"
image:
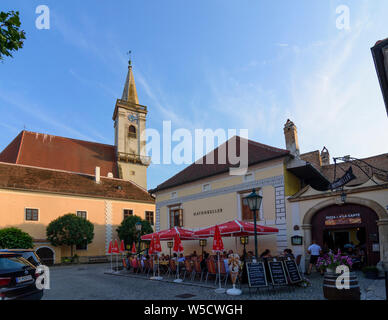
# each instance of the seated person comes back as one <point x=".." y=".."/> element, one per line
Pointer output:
<point x="266" y="254"/>
<point x="287" y="253"/>
<point x="181" y="258"/>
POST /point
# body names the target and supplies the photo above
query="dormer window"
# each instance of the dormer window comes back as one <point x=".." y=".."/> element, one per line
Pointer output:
<point x="132" y="131"/>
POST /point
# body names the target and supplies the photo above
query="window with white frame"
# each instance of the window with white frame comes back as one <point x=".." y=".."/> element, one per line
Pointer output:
<point x="174" y="194"/>
<point x="31" y="214"/>
<point x="206" y="187"/>
<point x="127" y="213"/>
<point x="149" y="216"/>
<point x="82" y="214"/>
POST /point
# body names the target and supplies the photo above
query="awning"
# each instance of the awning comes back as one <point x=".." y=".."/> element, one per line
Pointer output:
<point x="235" y="228"/>
<point x="165" y="235"/>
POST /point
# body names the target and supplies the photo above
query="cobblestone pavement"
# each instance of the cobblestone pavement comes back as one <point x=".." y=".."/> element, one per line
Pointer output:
<point x="82" y="282"/>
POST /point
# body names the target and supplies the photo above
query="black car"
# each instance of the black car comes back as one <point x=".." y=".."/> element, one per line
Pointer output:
<point x="28" y="254"/>
<point x="17" y="278"/>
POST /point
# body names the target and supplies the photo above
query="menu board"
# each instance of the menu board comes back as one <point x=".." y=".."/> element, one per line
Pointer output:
<point x="256" y="274"/>
<point x="292" y="270"/>
<point x="278" y="274"/>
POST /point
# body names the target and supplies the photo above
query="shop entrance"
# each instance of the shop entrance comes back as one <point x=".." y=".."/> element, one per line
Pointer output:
<point x="341" y="239"/>
<point x="349" y="225"/>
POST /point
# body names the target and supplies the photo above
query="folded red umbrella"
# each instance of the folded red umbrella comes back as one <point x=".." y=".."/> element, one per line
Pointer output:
<point x="133" y="248"/>
<point x="218" y="245"/>
<point x="235" y="228"/>
<point x="157" y="246"/>
<point x="169" y="234"/>
<point x="151" y="248"/>
<point x="177" y="244"/>
<point x="122" y="247"/>
<point x="110" y="247"/>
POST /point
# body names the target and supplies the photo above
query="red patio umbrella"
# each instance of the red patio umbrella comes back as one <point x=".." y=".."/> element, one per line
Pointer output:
<point x="151" y="250"/>
<point x="133" y="248"/>
<point x="116" y="247"/>
<point x="218" y="246"/>
<point x="235" y="228"/>
<point x="110" y="247"/>
<point x="177" y="244"/>
<point x="169" y="234"/>
<point x="122" y="247"/>
<point x="157" y="246"/>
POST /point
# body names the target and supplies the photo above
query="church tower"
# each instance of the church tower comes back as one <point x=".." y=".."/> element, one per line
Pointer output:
<point x="129" y="125"/>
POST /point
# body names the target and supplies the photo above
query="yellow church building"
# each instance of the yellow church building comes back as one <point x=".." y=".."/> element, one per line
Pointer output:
<point x="43" y="177"/>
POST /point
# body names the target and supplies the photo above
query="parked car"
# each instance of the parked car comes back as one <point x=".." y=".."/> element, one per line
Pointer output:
<point x="17" y="278"/>
<point x="28" y="254"/>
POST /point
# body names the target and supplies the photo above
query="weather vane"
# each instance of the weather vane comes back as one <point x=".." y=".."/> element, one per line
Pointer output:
<point x="129" y="54"/>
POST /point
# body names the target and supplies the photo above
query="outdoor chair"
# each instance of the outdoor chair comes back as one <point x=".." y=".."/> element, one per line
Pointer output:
<point x="211" y="270"/>
<point x="197" y="270"/>
<point x="171" y="268"/>
<point x="188" y="269"/>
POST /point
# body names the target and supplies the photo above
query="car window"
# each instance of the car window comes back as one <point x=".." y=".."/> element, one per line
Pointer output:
<point x="11" y="263"/>
<point x="30" y="257"/>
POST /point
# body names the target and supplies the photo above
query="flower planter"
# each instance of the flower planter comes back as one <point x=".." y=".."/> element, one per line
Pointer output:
<point x="331" y="292"/>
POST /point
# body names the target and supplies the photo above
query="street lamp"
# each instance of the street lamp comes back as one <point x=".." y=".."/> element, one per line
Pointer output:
<point x="254" y="203"/>
<point x="202" y="243"/>
<point x="138" y="229"/>
<point x="244" y="241"/>
<point x="343" y="197"/>
<point x="170" y="244"/>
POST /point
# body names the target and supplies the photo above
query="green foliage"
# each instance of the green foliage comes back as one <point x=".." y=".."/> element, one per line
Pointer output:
<point x="14" y="238"/>
<point x="127" y="229"/>
<point x="70" y="230"/>
<point x="11" y="38"/>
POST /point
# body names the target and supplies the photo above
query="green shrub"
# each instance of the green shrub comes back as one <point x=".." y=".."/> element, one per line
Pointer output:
<point x="14" y="238"/>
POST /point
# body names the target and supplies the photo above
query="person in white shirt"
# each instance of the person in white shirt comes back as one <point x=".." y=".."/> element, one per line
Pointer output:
<point x="315" y="251"/>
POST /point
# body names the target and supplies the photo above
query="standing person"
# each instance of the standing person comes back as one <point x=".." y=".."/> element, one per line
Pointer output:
<point x="315" y="251"/>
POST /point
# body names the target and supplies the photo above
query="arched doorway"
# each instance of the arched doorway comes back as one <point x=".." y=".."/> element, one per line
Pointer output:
<point x="337" y="226"/>
<point x="46" y="255"/>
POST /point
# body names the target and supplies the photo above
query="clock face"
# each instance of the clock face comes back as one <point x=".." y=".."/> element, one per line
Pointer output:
<point x="132" y="118"/>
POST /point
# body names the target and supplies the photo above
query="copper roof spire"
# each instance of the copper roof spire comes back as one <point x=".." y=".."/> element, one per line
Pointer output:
<point x="130" y="93"/>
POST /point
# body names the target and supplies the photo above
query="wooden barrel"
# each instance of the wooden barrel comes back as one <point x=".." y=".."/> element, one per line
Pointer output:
<point x="331" y="292"/>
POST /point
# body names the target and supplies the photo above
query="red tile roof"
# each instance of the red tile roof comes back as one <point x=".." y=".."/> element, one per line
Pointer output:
<point x="257" y="153"/>
<point x="53" y="152"/>
<point x="26" y="178"/>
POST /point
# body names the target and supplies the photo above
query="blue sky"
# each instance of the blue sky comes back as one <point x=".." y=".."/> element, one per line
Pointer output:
<point x="202" y="64"/>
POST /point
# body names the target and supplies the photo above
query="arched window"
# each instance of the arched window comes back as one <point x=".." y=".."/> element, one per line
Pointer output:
<point x="132" y="131"/>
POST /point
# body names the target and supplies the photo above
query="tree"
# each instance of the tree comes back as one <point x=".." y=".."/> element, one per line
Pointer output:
<point x="127" y="229"/>
<point x="14" y="238"/>
<point x="11" y="38"/>
<point x="70" y="230"/>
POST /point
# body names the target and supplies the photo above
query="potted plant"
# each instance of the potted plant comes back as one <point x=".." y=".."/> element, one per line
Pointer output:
<point x="332" y="290"/>
<point x="329" y="262"/>
<point x="370" y="272"/>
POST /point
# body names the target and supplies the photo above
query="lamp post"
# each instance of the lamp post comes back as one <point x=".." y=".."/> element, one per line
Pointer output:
<point x="244" y="241"/>
<point x="254" y="202"/>
<point x="170" y="244"/>
<point x="138" y="229"/>
<point x="202" y="243"/>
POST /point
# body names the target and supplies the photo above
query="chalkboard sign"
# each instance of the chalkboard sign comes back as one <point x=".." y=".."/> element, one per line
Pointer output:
<point x="256" y="275"/>
<point x="292" y="270"/>
<point x="277" y="272"/>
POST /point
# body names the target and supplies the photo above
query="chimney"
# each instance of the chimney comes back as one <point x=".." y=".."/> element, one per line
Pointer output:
<point x="291" y="136"/>
<point x="97" y="174"/>
<point x="325" y="157"/>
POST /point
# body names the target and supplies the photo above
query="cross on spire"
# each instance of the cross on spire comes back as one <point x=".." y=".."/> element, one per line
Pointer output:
<point x="129" y="60"/>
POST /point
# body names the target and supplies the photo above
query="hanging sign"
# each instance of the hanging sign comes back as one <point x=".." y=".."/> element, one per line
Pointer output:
<point x="347" y="177"/>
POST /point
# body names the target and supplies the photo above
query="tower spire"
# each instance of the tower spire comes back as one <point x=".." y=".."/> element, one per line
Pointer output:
<point x="130" y="93"/>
